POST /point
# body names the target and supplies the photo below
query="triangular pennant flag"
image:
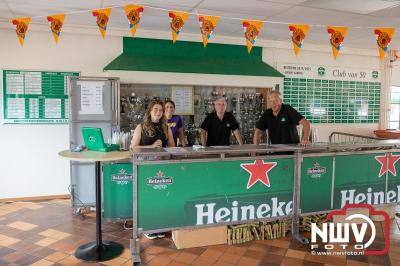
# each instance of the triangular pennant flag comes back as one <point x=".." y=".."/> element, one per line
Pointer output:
<point x="383" y="39"/>
<point x="336" y="38"/>
<point x="178" y="19"/>
<point x="56" y="22"/>
<point x="252" y="29"/>
<point x="21" y="28"/>
<point x="207" y="26"/>
<point x="133" y="13"/>
<point x="103" y="16"/>
<point x="299" y="33"/>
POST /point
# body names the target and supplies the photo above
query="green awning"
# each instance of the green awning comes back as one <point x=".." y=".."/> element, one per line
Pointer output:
<point x="140" y="54"/>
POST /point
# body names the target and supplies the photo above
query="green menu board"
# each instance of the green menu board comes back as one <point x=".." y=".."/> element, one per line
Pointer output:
<point x="35" y="97"/>
<point x="333" y="95"/>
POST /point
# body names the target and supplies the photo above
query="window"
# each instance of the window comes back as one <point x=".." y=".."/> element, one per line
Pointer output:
<point x="394" y="114"/>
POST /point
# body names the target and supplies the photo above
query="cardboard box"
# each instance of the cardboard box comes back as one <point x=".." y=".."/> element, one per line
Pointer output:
<point x="189" y="238"/>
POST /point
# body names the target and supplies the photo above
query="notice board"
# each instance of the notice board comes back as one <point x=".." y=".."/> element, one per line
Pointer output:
<point x="35" y="97"/>
<point x="324" y="94"/>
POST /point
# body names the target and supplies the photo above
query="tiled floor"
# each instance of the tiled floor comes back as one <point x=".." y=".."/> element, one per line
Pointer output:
<point x="48" y="233"/>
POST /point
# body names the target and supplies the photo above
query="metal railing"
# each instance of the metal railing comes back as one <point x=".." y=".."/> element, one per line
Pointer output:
<point x="347" y="138"/>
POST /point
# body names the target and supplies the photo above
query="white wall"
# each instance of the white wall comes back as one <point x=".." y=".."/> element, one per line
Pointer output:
<point x="29" y="165"/>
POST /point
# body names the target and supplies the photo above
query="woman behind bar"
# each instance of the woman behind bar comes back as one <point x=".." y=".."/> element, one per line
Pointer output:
<point x="153" y="132"/>
<point x="174" y="122"/>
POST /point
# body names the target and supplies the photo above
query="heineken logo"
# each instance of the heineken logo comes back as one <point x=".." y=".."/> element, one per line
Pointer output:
<point x="371" y="197"/>
<point x="258" y="172"/>
<point x="160" y="181"/>
<point x="121" y="176"/>
<point x="387" y="162"/>
<point x="316" y="171"/>
<point x="321" y="71"/>
<point x="92" y="138"/>
<point x="211" y="213"/>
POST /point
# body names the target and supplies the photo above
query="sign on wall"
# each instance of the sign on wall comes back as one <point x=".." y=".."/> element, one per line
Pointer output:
<point x="333" y="94"/>
<point x="35" y="97"/>
<point x="183" y="98"/>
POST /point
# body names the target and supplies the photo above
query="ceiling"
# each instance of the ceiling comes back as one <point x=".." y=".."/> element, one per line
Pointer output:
<point x="359" y="15"/>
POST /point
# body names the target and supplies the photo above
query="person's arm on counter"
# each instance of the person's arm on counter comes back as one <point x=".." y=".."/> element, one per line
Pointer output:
<point x="137" y="135"/>
<point x="170" y="138"/>
<point x="181" y="137"/>
<point x="238" y="136"/>
<point x="257" y="136"/>
<point x="305" y="139"/>
<point x="203" y="135"/>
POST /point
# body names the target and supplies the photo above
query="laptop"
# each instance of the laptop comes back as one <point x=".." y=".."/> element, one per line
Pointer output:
<point x="94" y="141"/>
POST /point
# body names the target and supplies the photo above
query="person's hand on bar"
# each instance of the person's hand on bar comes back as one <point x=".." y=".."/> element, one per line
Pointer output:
<point x="304" y="142"/>
<point x="157" y="144"/>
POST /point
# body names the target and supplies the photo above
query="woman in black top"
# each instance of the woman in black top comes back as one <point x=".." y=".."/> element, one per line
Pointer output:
<point x="153" y="132"/>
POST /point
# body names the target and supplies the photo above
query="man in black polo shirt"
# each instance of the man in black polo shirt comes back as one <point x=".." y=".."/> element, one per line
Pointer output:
<point x="281" y="121"/>
<point x="218" y="126"/>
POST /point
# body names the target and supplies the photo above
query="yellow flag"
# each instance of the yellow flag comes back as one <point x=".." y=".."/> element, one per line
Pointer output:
<point x="383" y="39"/>
<point x="299" y="33"/>
<point x="21" y="28"/>
<point x="336" y="38"/>
<point x="178" y="19"/>
<point x="252" y="29"/>
<point x="207" y="26"/>
<point x="133" y="13"/>
<point x="56" y="22"/>
<point x="103" y="16"/>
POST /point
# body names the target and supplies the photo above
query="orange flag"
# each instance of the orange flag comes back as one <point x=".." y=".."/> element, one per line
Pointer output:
<point x="207" y="26"/>
<point x="103" y="16"/>
<point x="299" y="33"/>
<point x="336" y="38"/>
<point x="56" y="22"/>
<point x="252" y="29"/>
<point x="133" y="13"/>
<point x="383" y="39"/>
<point x="178" y="19"/>
<point x="21" y="28"/>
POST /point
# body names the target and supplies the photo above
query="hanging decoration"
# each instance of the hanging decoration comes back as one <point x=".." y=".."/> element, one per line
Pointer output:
<point x="207" y="27"/>
<point x="102" y="16"/>
<point x="252" y="29"/>
<point x="21" y="28"/>
<point x="336" y="38"/>
<point x="383" y="39"/>
<point x="56" y="22"/>
<point x="299" y="33"/>
<point x="133" y="13"/>
<point x="178" y="19"/>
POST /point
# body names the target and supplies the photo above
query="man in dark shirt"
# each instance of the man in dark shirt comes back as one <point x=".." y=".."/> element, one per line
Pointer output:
<point x="218" y="126"/>
<point x="281" y="121"/>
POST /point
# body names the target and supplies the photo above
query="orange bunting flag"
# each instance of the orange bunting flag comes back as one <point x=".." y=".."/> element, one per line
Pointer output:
<point x="178" y="19"/>
<point x="103" y="16"/>
<point x="383" y="39"/>
<point x="207" y="26"/>
<point x="133" y="13"/>
<point x="299" y="33"/>
<point x="21" y="28"/>
<point x="56" y="22"/>
<point x="336" y="38"/>
<point x="252" y="29"/>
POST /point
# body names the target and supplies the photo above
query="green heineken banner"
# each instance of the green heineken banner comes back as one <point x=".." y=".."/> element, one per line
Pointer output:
<point x="362" y="179"/>
<point x="203" y="193"/>
<point x="316" y="184"/>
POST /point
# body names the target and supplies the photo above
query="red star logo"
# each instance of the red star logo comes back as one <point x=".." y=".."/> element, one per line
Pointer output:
<point x="160" y="174"/>
<point x="388" y="162"/>
<point x="258" y="172"/>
